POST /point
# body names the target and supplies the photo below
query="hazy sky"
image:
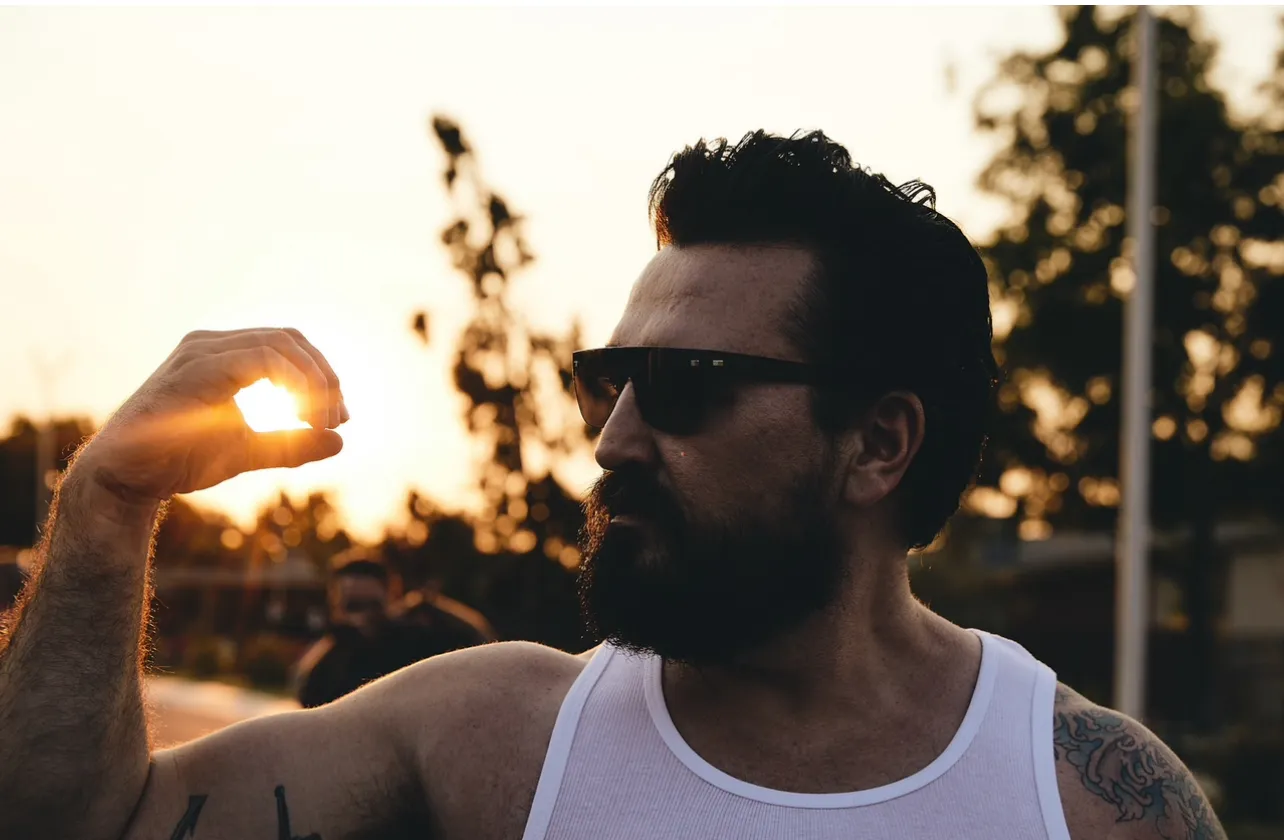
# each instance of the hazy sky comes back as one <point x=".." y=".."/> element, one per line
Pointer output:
<point x="164" y="170"/>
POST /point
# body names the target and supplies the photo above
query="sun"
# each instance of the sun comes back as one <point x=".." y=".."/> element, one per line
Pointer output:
<point x="269" y="408"/>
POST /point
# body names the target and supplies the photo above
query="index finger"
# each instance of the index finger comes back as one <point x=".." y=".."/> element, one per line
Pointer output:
<point x="339" y="409"/>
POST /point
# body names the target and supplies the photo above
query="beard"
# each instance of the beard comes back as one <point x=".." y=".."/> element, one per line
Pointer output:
<point x="703" y="592"/>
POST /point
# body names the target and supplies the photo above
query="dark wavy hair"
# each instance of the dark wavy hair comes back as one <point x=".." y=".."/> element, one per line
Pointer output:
<point x="900" y="301"/>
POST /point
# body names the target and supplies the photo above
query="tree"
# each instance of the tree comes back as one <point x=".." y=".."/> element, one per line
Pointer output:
<point x="18" y="518"/>
<point x="1060" y="276"/>
<point x="520" y="405"/>
<point x="189" y="537"/>
<point x="310" y="528"/>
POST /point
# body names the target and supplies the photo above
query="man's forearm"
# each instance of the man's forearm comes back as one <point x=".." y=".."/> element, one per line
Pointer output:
<point x="74" y="751"/>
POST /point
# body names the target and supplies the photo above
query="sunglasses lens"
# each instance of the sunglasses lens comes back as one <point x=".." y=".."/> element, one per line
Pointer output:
<point x="596" y="391"/>
<point x="675" y="396"/>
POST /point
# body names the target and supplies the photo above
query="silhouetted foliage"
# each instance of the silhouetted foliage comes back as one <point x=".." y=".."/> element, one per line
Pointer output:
<point x="18" y="518"/>
<point x="191" y="537"/>
<point x="513" y="561"/>
<point x="310" y="529"/>
<point x="1060" y="275"/>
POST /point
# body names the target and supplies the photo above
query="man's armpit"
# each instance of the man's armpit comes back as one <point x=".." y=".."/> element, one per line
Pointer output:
<point x="1117" y="776"/>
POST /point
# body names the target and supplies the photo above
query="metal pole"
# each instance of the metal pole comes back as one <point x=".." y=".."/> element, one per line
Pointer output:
<point x="1132" y="589"/>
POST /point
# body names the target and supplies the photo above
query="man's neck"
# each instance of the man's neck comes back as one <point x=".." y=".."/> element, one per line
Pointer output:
<point x="874" y="664"/>
<point x="873" y="627"/>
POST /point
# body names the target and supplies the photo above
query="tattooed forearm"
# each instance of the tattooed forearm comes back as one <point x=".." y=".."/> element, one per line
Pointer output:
<point x="1124" y="765"/>
<point x="186" y="827"/>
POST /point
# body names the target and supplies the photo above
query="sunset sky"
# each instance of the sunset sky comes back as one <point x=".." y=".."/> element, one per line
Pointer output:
<point x="165" y="170"/>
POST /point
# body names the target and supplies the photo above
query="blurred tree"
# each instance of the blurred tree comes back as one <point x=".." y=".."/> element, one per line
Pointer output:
<point x="189" y="536"/>
<point x="310" y="530"/>
<point x="284" y="531"/>
<point x="18" y="525"/>
<point x="1273" y="119"/>
<point x="1060" y="274"/>
<point x="1268" y="312"/>
<point x="520" y="405"/>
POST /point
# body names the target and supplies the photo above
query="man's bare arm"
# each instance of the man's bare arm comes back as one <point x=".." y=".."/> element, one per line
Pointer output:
<point x="74" y="749"/>
<point x="1118" y="780"/>
<point x="428" y="751"/>
<point x="345" y="770"/>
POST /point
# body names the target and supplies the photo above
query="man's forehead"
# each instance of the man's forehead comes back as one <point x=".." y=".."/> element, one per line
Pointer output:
<point x="718" y="297"/>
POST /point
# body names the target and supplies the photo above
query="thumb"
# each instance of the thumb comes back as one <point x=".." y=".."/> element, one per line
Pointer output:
<point x="292" y="448"/>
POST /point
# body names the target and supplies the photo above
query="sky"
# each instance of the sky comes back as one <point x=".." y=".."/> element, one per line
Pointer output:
<point x="165" y="170"/>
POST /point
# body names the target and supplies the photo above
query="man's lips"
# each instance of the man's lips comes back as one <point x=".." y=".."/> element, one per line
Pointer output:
<point x="630" y="519"/>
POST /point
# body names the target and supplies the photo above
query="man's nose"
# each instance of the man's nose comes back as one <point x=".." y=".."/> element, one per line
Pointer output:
<point x="626" y="438"/>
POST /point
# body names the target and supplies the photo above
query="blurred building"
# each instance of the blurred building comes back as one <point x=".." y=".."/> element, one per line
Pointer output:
<point x="286" y="597"/>
<point x="1058" y="600"/>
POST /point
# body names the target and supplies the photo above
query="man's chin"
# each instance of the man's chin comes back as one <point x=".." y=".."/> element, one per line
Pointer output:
<point x="640" y="610"/>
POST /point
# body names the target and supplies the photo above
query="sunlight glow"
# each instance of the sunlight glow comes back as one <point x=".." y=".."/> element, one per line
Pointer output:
<point x="1017" y="481"/>
<point x="1033" y="530"/>
<point x="269" y="408"/>
<point x="987" y="501"/>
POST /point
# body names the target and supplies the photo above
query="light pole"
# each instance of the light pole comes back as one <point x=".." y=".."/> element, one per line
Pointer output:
<point x="1132" y="582"/>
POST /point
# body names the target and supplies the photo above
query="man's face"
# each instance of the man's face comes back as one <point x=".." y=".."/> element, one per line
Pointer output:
<point x="702" y="547"/>
<point x="359" y="602"/>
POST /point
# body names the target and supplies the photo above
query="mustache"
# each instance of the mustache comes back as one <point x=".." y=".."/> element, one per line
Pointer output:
<point x="630" y="491"/>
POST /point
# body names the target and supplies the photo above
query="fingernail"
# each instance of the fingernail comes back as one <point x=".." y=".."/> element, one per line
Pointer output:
<point x="343" y="411"/>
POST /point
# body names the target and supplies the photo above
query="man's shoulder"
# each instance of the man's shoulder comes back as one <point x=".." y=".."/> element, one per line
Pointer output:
<point x="502" y="691"/>
<point x="474" y="678"/>
<point x="479" y="721"/>
<point x="314" y="654"/>
<point x="1119" y="780"/>
<point x="463" y="616"/>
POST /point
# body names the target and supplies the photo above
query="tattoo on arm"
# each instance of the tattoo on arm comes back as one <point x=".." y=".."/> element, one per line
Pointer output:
<point x="186" y="827"/>
<point x="1139" y="778"/>
<point x="283" y="819"/>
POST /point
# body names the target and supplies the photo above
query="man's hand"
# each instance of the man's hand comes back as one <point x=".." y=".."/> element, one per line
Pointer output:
<point x="181" y="431"/>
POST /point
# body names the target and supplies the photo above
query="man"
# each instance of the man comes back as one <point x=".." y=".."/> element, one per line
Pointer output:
<point x="363" y="642"/>
<point x="795" y="396"/>
<point x="451" y="624"/>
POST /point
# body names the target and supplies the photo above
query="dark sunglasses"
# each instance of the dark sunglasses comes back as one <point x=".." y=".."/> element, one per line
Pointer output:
<point x="362" y="605"/>
<point x="677" y="390"/>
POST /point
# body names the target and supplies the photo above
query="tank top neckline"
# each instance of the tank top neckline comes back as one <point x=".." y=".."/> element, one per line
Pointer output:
<point x="963" y="736"/>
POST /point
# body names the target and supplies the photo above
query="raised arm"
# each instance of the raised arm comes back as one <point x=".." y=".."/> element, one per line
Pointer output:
<point x="74" y="753"/>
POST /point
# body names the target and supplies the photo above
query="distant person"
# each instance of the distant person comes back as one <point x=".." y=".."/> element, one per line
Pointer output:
<point x="448" y="623"/>
<point x="796" y="395"/>
<point x="362" y="642"/>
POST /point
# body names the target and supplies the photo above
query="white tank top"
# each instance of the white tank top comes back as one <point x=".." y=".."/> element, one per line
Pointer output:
<point x="617" y="769"/>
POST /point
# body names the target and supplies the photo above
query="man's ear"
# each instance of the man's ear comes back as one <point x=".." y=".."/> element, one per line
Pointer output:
<point x="883" y="443"/>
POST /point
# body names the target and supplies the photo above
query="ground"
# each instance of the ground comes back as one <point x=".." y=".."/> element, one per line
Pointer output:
<point x="183" y="710"/>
